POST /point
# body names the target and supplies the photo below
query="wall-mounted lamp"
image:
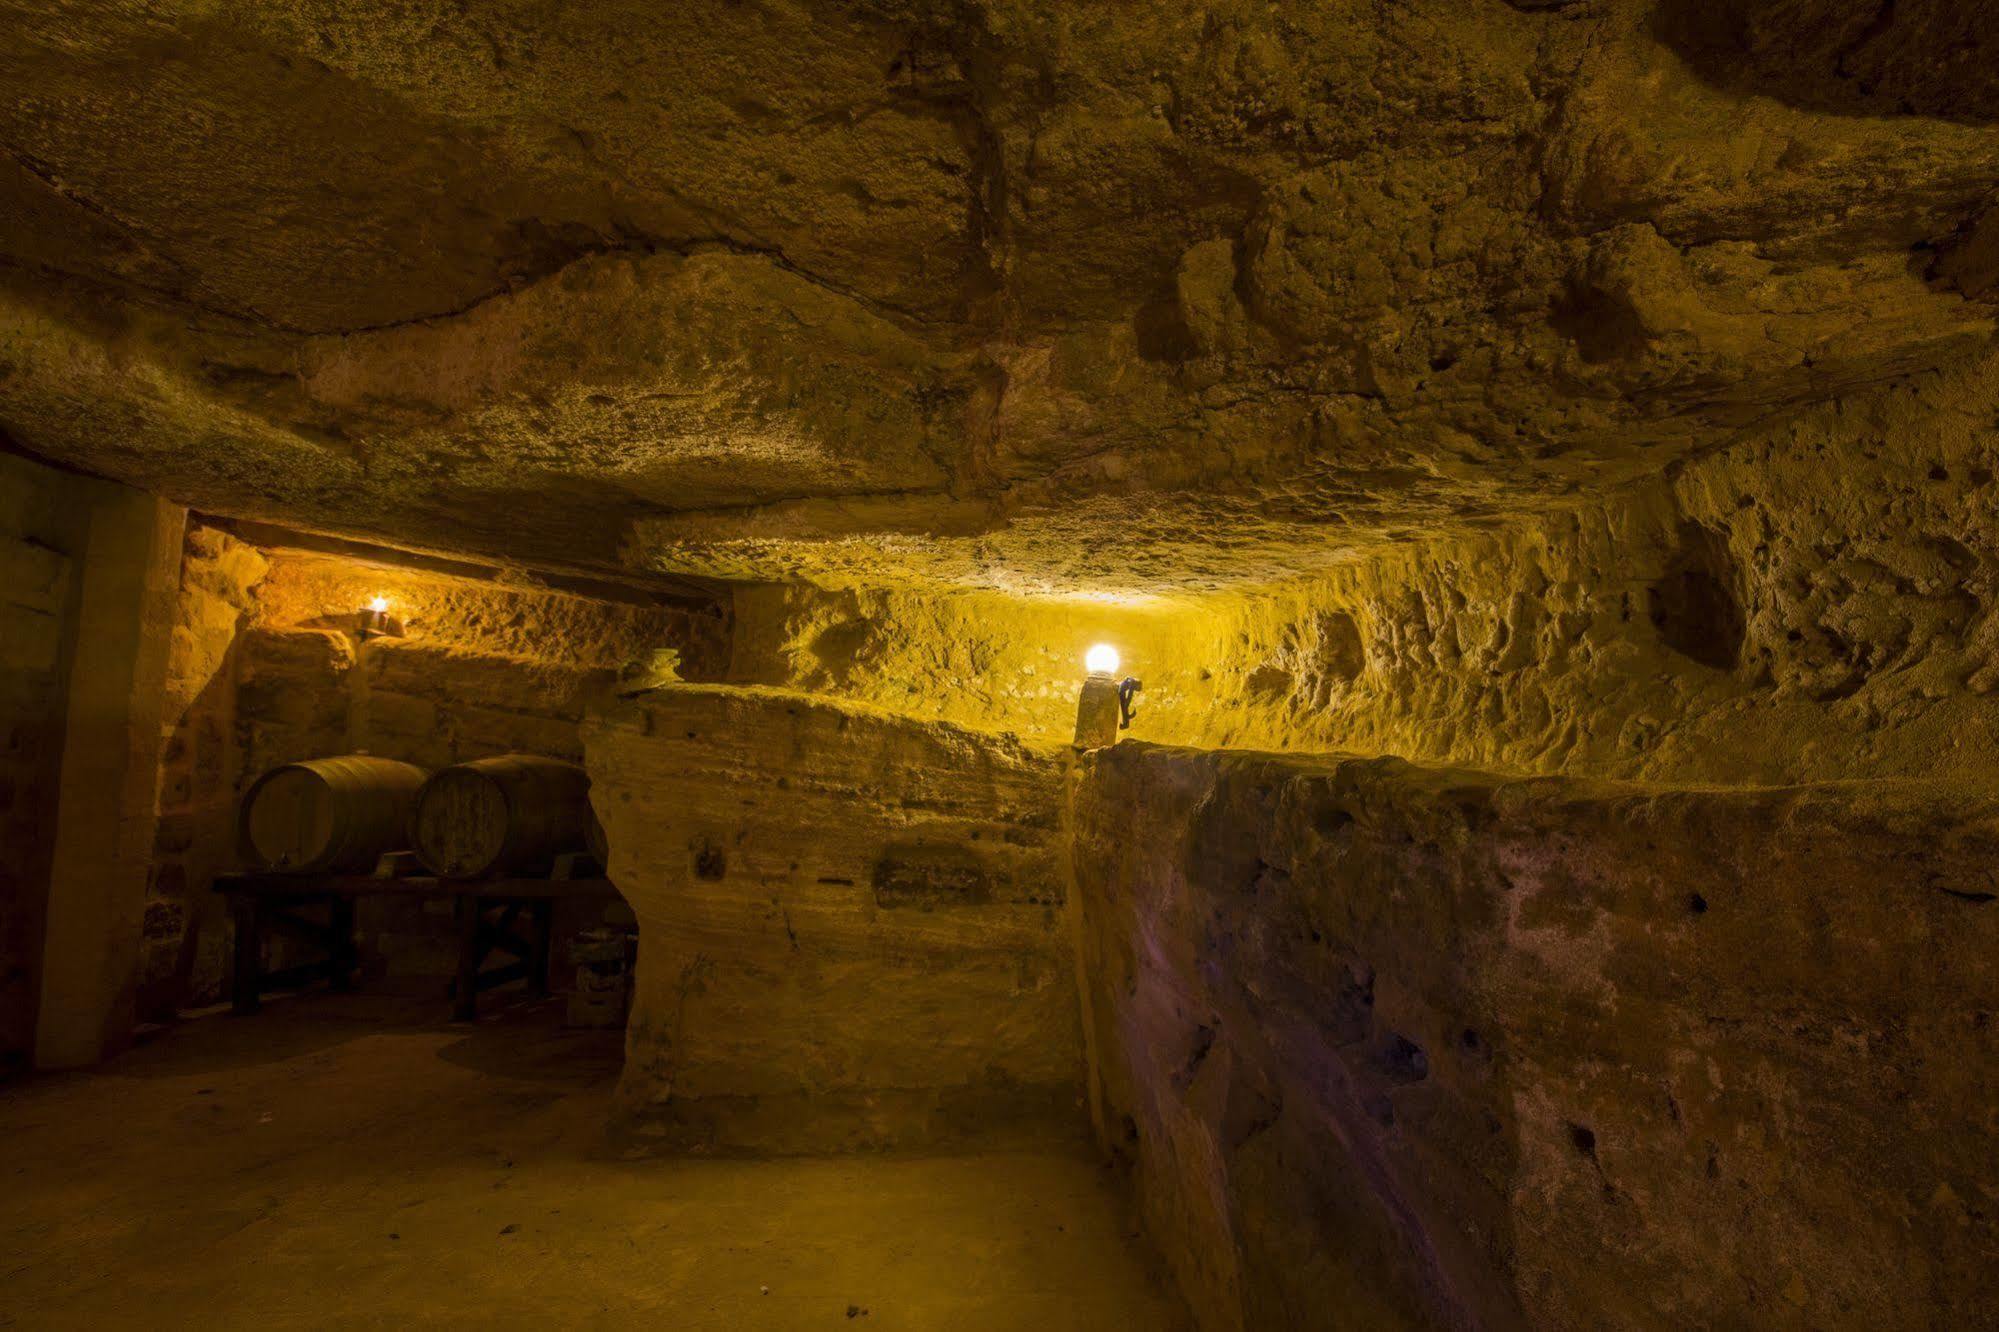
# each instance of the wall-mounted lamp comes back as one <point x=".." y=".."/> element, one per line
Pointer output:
<point x="1125" y="689"/>
<point x="376" y="622"/>
<point x="1105" y="706"/>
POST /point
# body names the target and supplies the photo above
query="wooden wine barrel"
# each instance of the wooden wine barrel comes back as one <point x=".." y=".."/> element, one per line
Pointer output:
<point x="329" y="816"/>
<point x="507" y="815"/>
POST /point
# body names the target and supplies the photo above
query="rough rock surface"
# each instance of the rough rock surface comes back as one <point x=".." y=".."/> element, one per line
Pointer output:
<point x="852" y="925"/>
<point x="44" y="523"/>
<point x="1392" y="1046"/>
<point x="996" y="292"/>
<point x="1814" y="602"/>
<point x="970" y="657"/>
<point x="1602" y="388"/>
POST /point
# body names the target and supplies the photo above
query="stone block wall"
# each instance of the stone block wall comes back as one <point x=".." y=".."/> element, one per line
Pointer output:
<point x="852" y="925"/>
<point x="1391" y="1046"/>
<point x="43" y="526"/>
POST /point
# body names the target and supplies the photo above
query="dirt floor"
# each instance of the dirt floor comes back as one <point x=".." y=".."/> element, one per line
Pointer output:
<point x="354" y="1161"/>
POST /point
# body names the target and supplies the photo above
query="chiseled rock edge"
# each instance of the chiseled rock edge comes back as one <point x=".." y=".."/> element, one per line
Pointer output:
<point x="1399" y="1046"/>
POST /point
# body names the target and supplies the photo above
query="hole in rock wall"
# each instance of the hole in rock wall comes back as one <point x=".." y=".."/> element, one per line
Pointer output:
<point x="1603" y="326"/>
<point x="1330" y="820"/>
<point x="1694" y="604"/>
<point x="1318" y="659"/>
<point x="1270" y="683"/>
<point x="710" y="861"/>
<point x="838" y="646"/>
<point x="1402" y="1060"/>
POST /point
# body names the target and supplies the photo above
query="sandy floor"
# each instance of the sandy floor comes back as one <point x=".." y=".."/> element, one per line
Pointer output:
<point x="350" y="1161"/>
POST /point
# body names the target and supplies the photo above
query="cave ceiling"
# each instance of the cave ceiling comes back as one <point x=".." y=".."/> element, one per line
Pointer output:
<point x="1112" y="299"/>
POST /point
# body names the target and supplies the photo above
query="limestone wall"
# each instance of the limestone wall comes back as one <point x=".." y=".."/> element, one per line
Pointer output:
<point x="1817" y="600"/>
<point x="978" y="659"/>
<point x="851" y="925"/>
<point x="1393" y="1046"/>
<point x="43" y="525"/>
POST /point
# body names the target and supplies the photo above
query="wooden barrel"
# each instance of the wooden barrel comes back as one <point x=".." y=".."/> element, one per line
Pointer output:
<point x="507" y="815"/>
<point x="329" y="816"/>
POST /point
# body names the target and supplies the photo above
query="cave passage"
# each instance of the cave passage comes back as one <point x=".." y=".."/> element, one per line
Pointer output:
<point x="1000" y="664"/>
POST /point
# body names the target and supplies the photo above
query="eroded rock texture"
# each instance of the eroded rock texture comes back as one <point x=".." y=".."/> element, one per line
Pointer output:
<point x="1026" y="295"/>
<point x="852" y="927"/>
<point x="1815" y="602"/>
<point x="1399" y="1046"/>
<point x="1597" y="389"/>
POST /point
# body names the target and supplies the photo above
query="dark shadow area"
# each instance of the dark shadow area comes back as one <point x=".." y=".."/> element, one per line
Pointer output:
<point x="516" y="1036"/>
<point x="1867" y="58"/>
<point x="1694" y="604"/>
<point x="526" y="1041"/>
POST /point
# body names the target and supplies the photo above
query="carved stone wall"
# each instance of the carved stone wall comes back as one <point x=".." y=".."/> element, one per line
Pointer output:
<point x="852" y="928"/>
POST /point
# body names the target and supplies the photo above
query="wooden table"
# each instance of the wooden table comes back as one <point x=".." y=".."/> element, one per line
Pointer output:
<point x="488" y="912"/>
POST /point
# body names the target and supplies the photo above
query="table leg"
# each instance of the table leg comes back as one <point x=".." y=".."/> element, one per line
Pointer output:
<point x="343" y="957"/>
<point x="246" y="985"/>
<point x="544" y="938"/>
<point x="465" y="998"/>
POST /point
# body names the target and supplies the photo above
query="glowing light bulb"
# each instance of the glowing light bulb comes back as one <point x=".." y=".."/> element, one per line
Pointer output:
<point x="379" y="605"/>
<point x="1101" y="660"/>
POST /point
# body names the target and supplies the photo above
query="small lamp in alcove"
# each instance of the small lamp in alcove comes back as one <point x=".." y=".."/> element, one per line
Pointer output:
<point x="376" y="622"/>
<point x="1105" y="706"/>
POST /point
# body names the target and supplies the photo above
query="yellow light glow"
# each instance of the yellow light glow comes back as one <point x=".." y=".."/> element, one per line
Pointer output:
<point x="379" y="605"/>
<point x="1101" y="660"/>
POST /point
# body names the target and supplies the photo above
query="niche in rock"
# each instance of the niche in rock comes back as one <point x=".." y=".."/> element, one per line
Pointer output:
<point x="1341" y="656"/>
<point x="838" y="646"/>
<point x="710" y="861"/>
<point x="1318" y="659"/>
<point x="1334" y="655"/>
<point x="928" y="875"/>
<point x="1694" y="604"/>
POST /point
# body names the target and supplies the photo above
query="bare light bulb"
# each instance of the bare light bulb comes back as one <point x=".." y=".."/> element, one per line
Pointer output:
<point x="1101" y="660"/>
<point x="379" y="605"/>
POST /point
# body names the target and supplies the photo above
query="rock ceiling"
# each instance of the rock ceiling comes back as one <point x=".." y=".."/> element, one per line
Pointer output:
<point x="1103" y="298"/>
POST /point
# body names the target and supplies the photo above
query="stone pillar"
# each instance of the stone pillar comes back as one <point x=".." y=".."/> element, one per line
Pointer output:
<point x="1097" y="713"/>
<point x="107" y="802"/>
